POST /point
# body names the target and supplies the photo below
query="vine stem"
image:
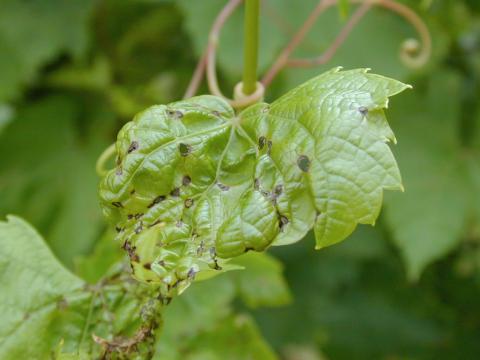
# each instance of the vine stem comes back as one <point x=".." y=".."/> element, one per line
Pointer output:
<point x="250" y="51"/>
<point x="412" y="53"/>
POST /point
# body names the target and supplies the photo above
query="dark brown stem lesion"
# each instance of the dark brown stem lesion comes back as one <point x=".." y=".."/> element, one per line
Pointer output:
<point x="414" y="53"/>
<point x="124" y="348"/>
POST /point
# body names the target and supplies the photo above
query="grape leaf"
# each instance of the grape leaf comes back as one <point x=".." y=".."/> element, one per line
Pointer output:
<point x="429" y="219"/>
<point x="261" y="282"/>
<point x="47" y="307"/>
<point x="56" y="188"/>
<point x="196" y="184"/>
<point x="48" y="28"/>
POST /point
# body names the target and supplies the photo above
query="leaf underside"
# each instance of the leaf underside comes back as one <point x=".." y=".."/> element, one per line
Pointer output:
<point x="196" y="184"/>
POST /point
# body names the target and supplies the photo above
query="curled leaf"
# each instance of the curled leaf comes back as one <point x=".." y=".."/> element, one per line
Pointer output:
<point x="317" y="157"/>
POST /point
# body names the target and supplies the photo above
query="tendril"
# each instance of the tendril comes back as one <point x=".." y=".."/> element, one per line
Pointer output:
<point x="414" y="53"/>
<point x="102" y="160"/>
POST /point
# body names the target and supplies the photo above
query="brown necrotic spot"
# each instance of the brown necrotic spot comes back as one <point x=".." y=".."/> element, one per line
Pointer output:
<point x="223" y="187"/>
<point x="177" y="114"/>
<point x="175" y="192"/>
<point x="188" y="203"/>
<point x="184" y="149"/>
<point x="138" y="215"/>
<point x="117" y="204"/>
<point x="156" y="222"/>
<point x="130" y="216"/>
<point x="303" y="163"/>
<point x="262" y="140"/>
<point x="186" y="180"/>
<point x="282" y="221"/>
<point x="147" y="266"/>
<point x="139" y="228"/>
<point x="269" y="147"/>
<point x="278" y="190"/>
<point x="133" y="146"/>
<point x="191" y="273"/>
<point x="363" y="110"/>
<point x="157" y="200"/>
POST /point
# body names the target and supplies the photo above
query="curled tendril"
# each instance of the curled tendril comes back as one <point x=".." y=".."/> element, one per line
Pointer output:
<point x="413" y="53"/>
<point x="102" y="160"/>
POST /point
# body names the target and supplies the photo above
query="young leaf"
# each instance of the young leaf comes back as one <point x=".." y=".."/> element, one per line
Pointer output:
<point x="196" y="184"/>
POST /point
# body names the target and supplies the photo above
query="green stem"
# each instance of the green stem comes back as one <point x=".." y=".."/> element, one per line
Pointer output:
<point x="250" y="52"/>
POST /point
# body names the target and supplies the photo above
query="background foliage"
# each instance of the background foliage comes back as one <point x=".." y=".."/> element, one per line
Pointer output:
<point x="72" y="72"/>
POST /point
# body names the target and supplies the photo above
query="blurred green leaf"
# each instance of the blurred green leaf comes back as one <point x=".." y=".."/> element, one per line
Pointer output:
<point x="33" y="33"/>
<point x="429" y="219"/>
<point x="40" y="300"/>
<point x="261" y="283"/>
<point x="49" y="178"/>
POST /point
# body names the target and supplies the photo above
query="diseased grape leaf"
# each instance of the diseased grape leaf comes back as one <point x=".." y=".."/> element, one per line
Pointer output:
<point x="196" y="184"/>
<point x="35" y="32"/>
<point x="45" y="307"/>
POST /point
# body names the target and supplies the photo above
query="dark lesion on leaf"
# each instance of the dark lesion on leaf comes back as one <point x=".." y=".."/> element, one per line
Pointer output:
<point x="184" y="149"/>
<point x="282" y="221"/>
<point x="186" y="180"/>
<point x="262" y="140"/>
<point x="176" y="114"/>
<point x="256" y="184"/>
<point x="156" y="222"/>
<point x="188" y="203"/>
<point x="131" y="251"/>
<point x="223" y="187"/>
<point x="213" y="256"/>
<point x="133" y="146"/>
<point x="139" y="228"/>
<point x="147" y="266"/>
<point x="269" y="147"/>
<point x="117" y="204"/>
<point x="175" y="192"/>
<point x="157" y="200"/>
<point x="303" y="163"/>
<point x="363" y="110"/>
<point x="277" y="191"/>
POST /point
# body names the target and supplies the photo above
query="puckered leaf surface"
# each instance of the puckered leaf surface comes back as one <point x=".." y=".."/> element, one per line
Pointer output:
<point x="196" y="184"/>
